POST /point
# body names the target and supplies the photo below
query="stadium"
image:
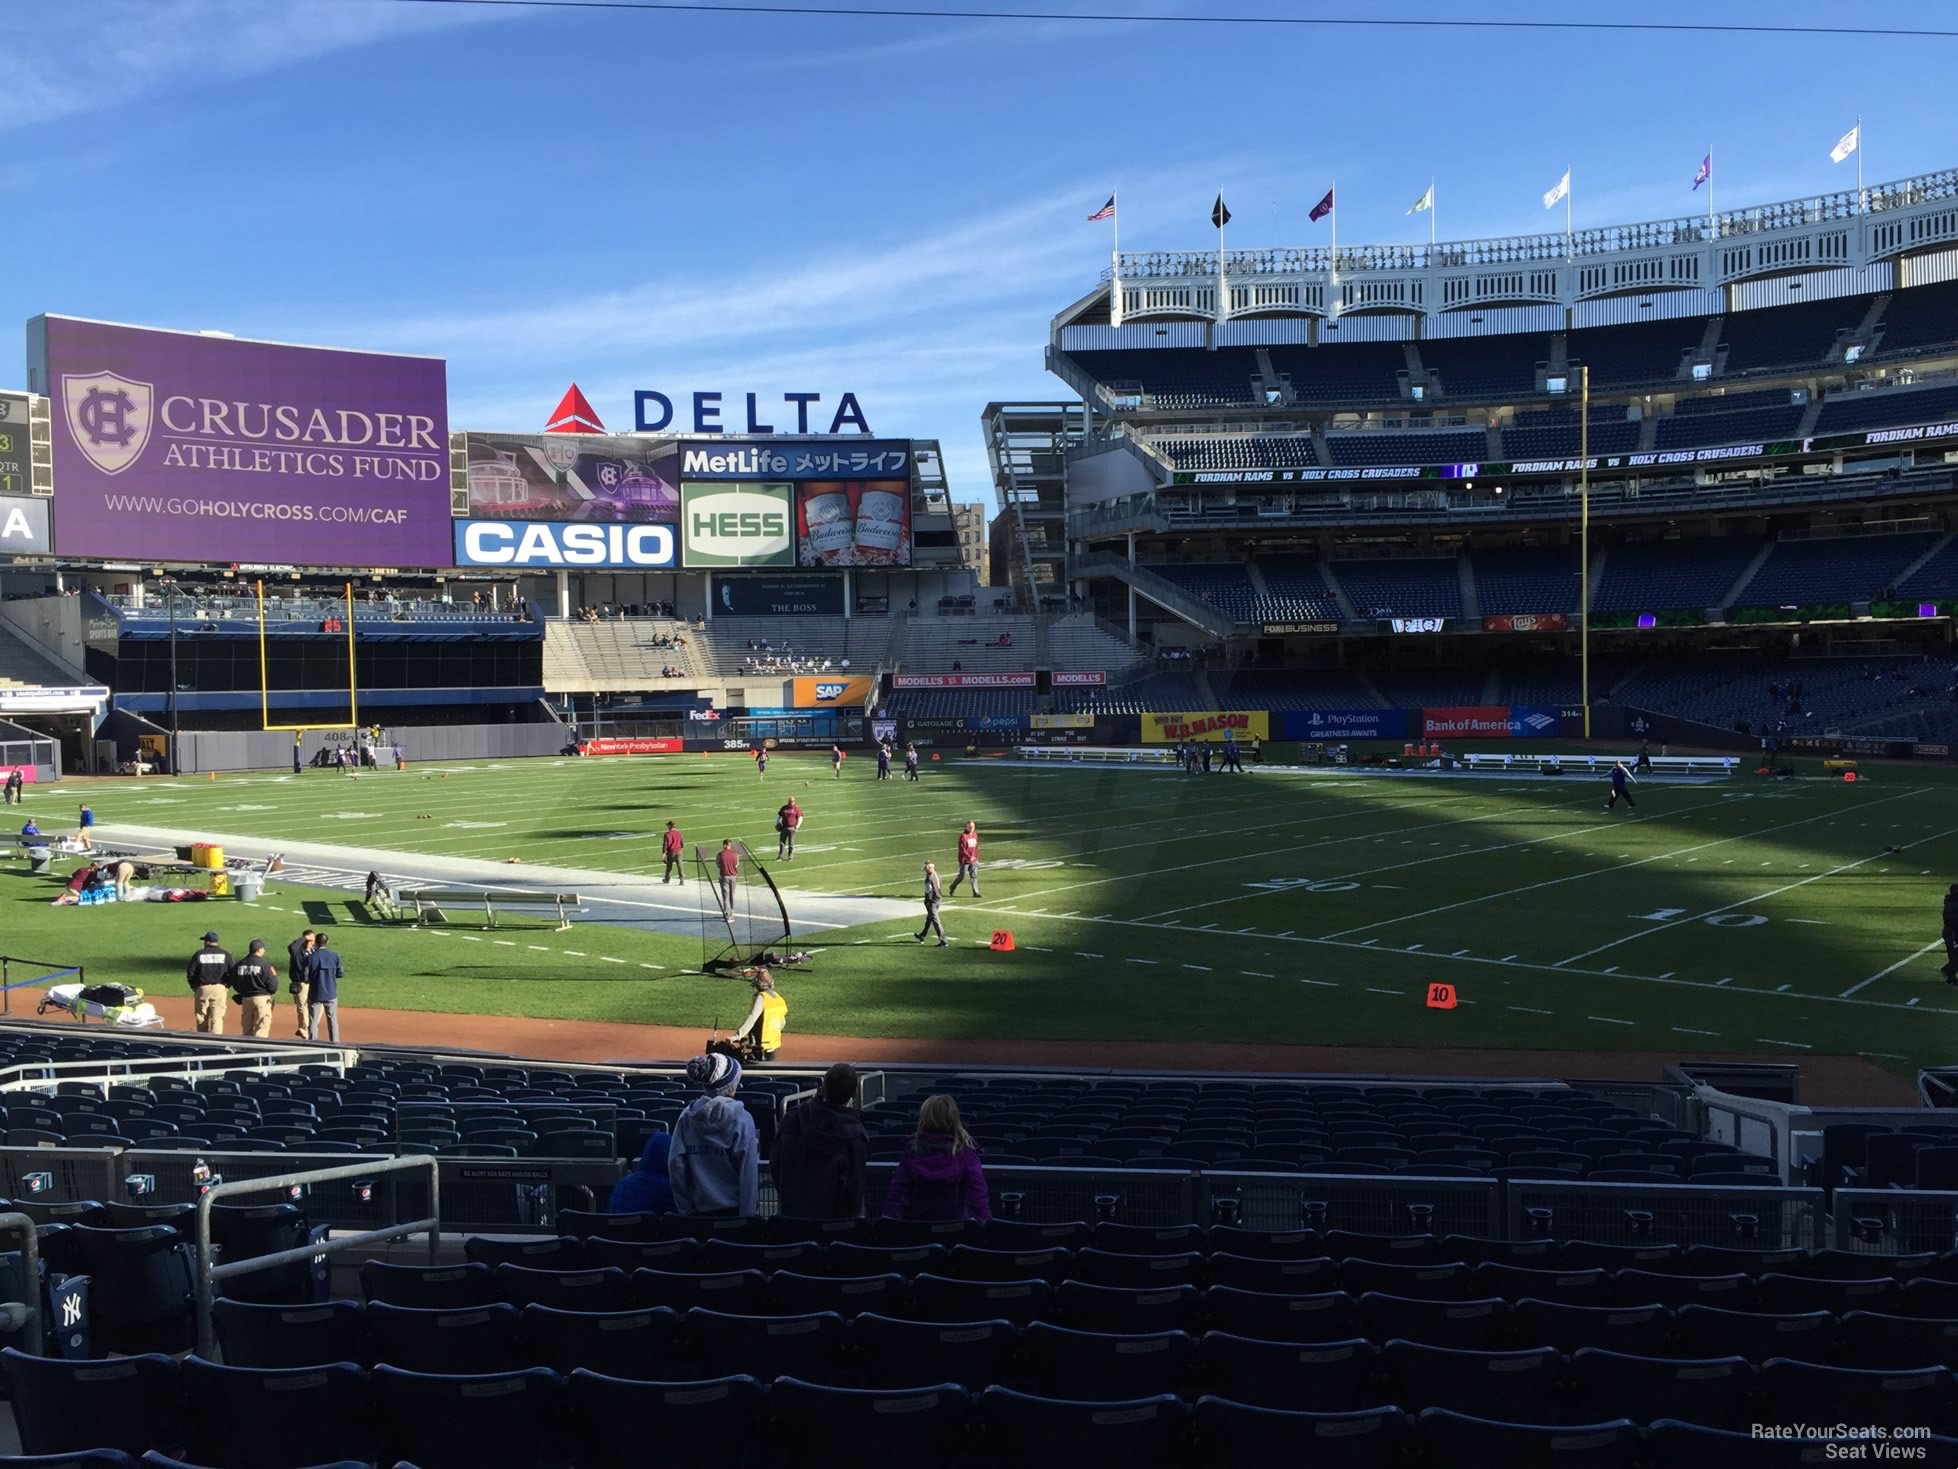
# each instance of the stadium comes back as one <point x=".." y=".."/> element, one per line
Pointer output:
<point x="1354" y="1081"/>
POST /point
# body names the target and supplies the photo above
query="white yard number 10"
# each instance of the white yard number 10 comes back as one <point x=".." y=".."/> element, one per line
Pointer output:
<point x="1718" y="920"/>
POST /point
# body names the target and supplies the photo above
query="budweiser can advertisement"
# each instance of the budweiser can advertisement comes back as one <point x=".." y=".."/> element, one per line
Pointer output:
<point x="828" y="524"/>
<point x="854" y="523"/>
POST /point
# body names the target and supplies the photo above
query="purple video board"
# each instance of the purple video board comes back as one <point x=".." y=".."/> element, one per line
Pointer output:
<point x="174" y="446"/>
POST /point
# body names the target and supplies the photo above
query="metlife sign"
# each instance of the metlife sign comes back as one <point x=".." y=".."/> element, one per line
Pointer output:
<point x="737" y="524"/>
<point x="558" y="545"/>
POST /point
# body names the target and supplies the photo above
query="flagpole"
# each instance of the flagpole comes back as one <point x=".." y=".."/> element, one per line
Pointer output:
<point x="1431" y="211"/>
<point x="1859" y="164"/>
<point x="1584" y="542"/>
<point x="1570" y="250"/>
<point x="1116" y="199"/>
<point x="1334" y="191"/>
<point x="1709" y="190"/>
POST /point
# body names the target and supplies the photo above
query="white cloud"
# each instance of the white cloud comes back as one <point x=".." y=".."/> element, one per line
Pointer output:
<point x="73" y="58"/>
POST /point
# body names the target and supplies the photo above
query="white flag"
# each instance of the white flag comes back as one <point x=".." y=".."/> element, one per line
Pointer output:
<point x="1426" y="201"/>
<point x="1563" y="187"/>
<point x="1846" y="145"/>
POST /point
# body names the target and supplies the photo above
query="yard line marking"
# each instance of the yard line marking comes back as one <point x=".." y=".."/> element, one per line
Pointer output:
<point x="1911" y="1001"/>
<point x="1252" y="929"/>
<point x="540" y="948"/>
<point x="504" y="943"/>
<point x="1607" y="1020"/>
<point x="1667" y="975"/>
<point x="1817" y="922"/>
<point x="1324" y="984"/>
<point x="1036" y="948"/>
<point x="608" y="959"/>
<point x="1594" y="872"/>
<point x="1782" y="989"/>
<point x="1891" y="970"/>
<point x="1559" y="970"/>
<point x="1374" y="991"/>
<point x="1458" y="953"/>
<point x="1743" y="902"/>
<point x="644" y="965"/>
<point x="1286" y="934"/>
<point x="573" y="953"/>
<point x="1506" y="958"/>
<point x="1369" y="942"/>
<point x="1688" y="1030"/>
<point x="1412" y="947"/>
<point x="470" y="937"/>
<point x="1256" y="974"/>
<point x="1528" y="1010"/>
<point x="1084" y="954"/>
<point x="1200" y="968"/>
<point x="1762" y="1040"/>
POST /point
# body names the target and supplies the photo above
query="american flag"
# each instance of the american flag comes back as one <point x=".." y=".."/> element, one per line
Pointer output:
<point x="1107" y="211"/>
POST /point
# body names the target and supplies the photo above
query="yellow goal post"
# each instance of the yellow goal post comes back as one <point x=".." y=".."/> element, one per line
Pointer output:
<point x="264" y="680"/>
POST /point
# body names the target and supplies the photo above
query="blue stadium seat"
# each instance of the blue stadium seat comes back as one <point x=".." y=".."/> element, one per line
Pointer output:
<point x="1124" y="1310"/>
<point x="568" y="1290"/>
<point x="892" y="1352"/>
<point x="975" y="1262"/>
<point x="1140" y="1239"/>
<point x="59" y="1405"/>
<point x="1141" y="1433"/>
<point x="846" y="1295"/>
<point x="1058" y="1362"/>
<point x="254" y="1335"/>
<point x="632" y="1344"/>
<point x="450" y="1421"/>
<point x="140" y="1299"/>
<point x="1427" y="1282"/>
<point x="1014" y="1234"/>
<point x="427" y="1287"/>
<point x="1328" y="1377"/>
<point x="254" y="1418"/>
<point x="1323" y="1316"/>
<point x="764" y="1255"/>
<point x="1138" y="1272"/>
<point x="848" y="1427"/>
<point x="1756" y="1335"/>
<point x="1458" y="1438"/>
<point x="482" y="1339"/>
<point x="850" y="1258"/>
<point x="738" y="1292"/>
<point x="603" y="1252"/>
<point x="939" y="1298"/>
<point x="1867" y="1339"/>
<point x="1636" y="1330"/>
<point x="1516" y="1386"/>
<point x="808" y="1347"/>
<point x="1710" y="1391"/>
<point x="1479" y="1326"/>
<point x="690" y="1422"/>
<point x="536" y="1254"/>
<point x="584" y="1223"/>
<point x="83" y="1459"/>
<point x="1807" y="1392"/>
<point x="1231" y="1435"/>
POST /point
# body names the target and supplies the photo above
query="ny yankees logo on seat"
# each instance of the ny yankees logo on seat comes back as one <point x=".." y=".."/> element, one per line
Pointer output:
<point x="109" y="417"/>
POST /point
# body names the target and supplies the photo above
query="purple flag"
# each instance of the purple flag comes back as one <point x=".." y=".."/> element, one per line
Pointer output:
<point x="1705" y="174"/>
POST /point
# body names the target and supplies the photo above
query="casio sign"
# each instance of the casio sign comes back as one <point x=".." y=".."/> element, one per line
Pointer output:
<point x="550" y="543"/>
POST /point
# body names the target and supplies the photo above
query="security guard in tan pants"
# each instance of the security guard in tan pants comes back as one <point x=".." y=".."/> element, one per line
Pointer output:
<point x="207" y="972"/>
<point x="256" y="984"/>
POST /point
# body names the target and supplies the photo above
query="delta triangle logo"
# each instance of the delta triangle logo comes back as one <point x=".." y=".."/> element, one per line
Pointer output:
<point x="109" y="417"/>
<point x="573" y="415"/>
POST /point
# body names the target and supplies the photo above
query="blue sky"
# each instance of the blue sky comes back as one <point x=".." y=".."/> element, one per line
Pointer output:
<point x="769" y="204"/>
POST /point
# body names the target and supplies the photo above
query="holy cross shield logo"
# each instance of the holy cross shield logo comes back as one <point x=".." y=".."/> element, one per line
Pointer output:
<point x="109" y="417"/>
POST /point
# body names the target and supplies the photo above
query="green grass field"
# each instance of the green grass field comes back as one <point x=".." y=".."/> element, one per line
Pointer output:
<point x="1738" y="916"/>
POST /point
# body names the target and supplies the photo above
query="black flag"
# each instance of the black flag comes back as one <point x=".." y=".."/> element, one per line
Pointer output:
<point x="1220" y="216"/>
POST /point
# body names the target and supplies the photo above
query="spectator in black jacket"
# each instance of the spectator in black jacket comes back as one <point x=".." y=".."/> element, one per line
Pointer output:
<point x="299" y="974"/>
<point x="255" y="983"/>
<point x="1951" y="935"/>
<point x="819" y="1154"/>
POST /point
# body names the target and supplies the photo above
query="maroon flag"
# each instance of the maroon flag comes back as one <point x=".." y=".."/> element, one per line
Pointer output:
<point x="1322" y="208"/>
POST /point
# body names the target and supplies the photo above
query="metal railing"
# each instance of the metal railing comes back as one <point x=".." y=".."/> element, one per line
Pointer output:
<point x="1771" y="1217"/>
<point x="1883" y="1221"/>
<point x="209" y="1273"/>
<point x="42" y="969"/>
<point x="32" y="1327"/>
<point x="187" y="1063"/>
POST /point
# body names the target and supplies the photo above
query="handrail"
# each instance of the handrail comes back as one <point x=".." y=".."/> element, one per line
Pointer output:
<point x="208" y="1274"/>
<point x="33" y="1327"/>
<point x="36" y="1073"/>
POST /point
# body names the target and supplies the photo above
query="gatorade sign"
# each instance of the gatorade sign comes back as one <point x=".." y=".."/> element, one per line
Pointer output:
<point x="739" y="524"/>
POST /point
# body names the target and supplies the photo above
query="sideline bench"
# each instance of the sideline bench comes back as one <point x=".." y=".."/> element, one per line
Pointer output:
<point x="1661" y="764"/>
<point x="427" y="904"/>
<point x="1100" y="754"/>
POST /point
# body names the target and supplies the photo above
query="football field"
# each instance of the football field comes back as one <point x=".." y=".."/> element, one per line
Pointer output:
<point x="1734" y="916"/>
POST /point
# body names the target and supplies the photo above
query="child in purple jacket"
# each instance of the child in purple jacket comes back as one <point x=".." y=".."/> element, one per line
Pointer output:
<point x="939" y="1177"/>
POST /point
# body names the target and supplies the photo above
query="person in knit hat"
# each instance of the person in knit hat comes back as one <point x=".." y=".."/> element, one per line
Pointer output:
<point x="715" y="1158"/>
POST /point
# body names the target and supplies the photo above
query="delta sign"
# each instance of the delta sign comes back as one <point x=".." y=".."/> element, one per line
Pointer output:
<point x="653" y="412"/>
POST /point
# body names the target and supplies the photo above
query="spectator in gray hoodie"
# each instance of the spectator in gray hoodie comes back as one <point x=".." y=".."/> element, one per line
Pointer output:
<point x="715" y="1155"/>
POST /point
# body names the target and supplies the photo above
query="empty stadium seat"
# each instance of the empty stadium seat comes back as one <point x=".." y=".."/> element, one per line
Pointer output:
<point x="256" y="1335"/>
<point x="451" y="1421"/>
<point x="254" y="1418"/>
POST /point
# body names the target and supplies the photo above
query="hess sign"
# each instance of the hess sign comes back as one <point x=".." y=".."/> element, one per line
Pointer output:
<point x="653" y="412"/>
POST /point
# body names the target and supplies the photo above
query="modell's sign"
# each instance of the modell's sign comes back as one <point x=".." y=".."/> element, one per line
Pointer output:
<point x="962" y="680"/>
<point x="1080" y="680"/>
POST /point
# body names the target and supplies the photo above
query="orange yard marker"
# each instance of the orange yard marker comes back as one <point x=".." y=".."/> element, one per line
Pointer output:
<point x="1002" y="941"/>
<point x="1441" y="997"/>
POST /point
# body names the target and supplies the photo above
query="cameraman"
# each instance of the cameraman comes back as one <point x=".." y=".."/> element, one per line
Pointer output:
<point x="761" y="1032"/>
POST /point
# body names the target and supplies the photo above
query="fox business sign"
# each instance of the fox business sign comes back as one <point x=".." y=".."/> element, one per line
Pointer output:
<point x="737" y="524"/>
<point x="560" y="545"/>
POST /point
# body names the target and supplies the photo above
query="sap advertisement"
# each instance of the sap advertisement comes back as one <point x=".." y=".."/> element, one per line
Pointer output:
<point x="557" y="546"/>
<point x="175" y="446"/>
<point x="583" y="477"/>
<point x="846" y="691"/>
<point x="1493" y="722"/>
<point x="1343" y="724"/>
<point x="821" y="523"/>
